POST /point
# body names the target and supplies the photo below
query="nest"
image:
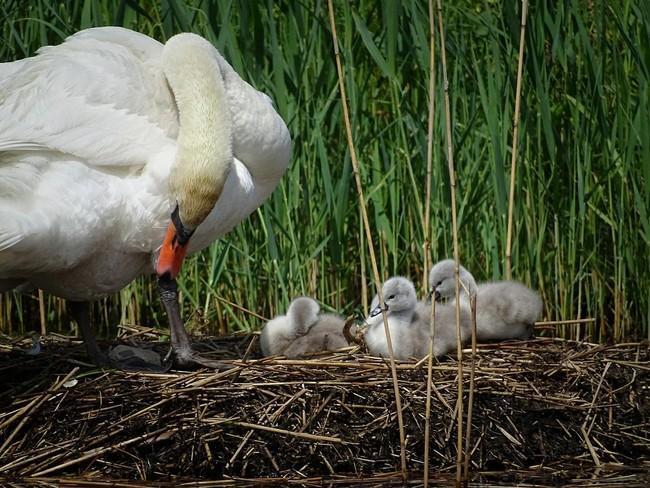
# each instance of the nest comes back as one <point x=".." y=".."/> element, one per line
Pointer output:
<point x="545" y="411"/>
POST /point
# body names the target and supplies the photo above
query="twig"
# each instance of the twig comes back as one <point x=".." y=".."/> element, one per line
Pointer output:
<point x="470" y="401"/>
<point x="233" y="458"/>
<point x="427" y="408"/>
<point x="371" y="365"/>
<point x="96" y="452"/>
<point x="273" y="417"/>
<point x="593" y="401"/>
<point x="515" y="131"/>
<point x="362" y="262"/>
<point x="366" y="224"/>
<point x="245" y="357"/>
<point x="239" y="307"/>
<point x="454" y="223"/>
<point x="30" y="408"/>
<point x="312" y="437"/>
<point x="427" y="205"/>
<point x="317" y="412"/>
<point x="592" y="451"/>
<point x="565" y="322"/>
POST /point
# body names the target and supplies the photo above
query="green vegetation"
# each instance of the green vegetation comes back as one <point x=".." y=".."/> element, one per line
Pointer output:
<point x="582" y="217"/>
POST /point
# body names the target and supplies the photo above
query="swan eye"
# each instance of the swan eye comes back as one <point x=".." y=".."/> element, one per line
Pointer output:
<point x="391" y="297"/>
<point x="439" y="283"/>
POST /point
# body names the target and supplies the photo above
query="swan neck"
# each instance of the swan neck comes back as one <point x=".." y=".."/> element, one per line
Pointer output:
<point x="204" y="146"/>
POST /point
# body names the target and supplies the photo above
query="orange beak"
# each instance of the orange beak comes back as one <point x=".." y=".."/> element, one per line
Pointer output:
<point x="171" y="254"/>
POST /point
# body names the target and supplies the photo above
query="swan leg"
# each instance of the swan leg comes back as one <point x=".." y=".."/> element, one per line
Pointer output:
<point x="80" y="312"/>
<point x="181" y="344"/>
<point x="531" y="331"/>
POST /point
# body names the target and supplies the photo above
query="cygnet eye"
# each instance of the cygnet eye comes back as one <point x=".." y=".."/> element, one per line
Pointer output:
<point x="391" y="297"/>
<point x="438" y="284"/>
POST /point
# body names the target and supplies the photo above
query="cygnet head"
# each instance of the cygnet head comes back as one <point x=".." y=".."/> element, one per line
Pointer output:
<point x="399" y="296"/>
<point x="303" y="313"/>
<point x="442" y="280"/>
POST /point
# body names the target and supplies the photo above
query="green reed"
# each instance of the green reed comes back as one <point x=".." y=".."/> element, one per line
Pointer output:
<point x="582" y="203"/>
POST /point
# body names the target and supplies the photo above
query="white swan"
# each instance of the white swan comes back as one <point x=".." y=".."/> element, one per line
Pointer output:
<point x="409" y="323"/>
<point x="105" y="135"/>
<point x="504" y="309"/>
<point x="302" y="330"/>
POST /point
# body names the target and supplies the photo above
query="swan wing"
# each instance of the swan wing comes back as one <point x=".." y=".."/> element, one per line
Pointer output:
<point x="100" y="97"/>
<point x="76" y="122"/>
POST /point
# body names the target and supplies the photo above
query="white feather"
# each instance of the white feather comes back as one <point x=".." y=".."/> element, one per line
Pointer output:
<point x="88" y="136"/>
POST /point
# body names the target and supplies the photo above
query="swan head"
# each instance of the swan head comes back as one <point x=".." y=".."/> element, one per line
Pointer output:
<point x="398" y="294"/>
<point x="204" y="151"/>
<point x="442" y="280"/>
<point x="174" y="247"/>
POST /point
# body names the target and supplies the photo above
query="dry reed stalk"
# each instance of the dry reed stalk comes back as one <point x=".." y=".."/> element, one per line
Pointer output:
<point x="25" y="412"/>
<point x="362" y="259"/>
<point x="243" y="309"/>
<point x="454" y="223"/>
<point x="427" y="408"/>
<point x="549" y="410"/>
<point x="98" y="451"/>
<point x="565" y="322"/>
<point x="427" y="238"/>
<point x="320" y="438"/>
<point x="470" y="401"/>
<point x="515" y="131"/>
<point x="427" y="206"/>
<point x="366" y="224"/>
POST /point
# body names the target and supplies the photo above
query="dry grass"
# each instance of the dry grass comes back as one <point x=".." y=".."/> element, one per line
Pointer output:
<point x="545" y="411"/>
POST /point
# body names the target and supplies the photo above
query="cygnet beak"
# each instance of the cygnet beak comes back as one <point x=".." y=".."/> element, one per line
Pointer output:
<point x="377" y="310"/>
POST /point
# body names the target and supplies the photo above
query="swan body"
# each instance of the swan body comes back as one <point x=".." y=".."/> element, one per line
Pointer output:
<point x="504" y="309"/>
<point x="409" y="324"/>
<point x="302" y="330"/>
<point x="102" y="135"/>
<point x="119" y="155"/>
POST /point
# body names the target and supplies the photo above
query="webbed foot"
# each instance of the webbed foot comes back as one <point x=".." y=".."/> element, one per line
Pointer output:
<point x="182" y="352"/>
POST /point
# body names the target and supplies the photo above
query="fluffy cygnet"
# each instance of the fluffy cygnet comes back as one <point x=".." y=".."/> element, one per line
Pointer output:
<point x="399" y="305"/>
<point x="324" y="335"/>
<point x="409" y="323"/>
<point x="442" y="281"/>
<point x="444" y="338"/>
<point x="303" y="329"/>
<point x="504" y="309"/>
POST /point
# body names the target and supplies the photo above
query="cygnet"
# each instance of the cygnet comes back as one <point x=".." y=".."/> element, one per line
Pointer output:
<point x="409" y="323"/>
<point x="504" y="309"/>
<point x="325" y="335"/>
<point x="302" y="330"/>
